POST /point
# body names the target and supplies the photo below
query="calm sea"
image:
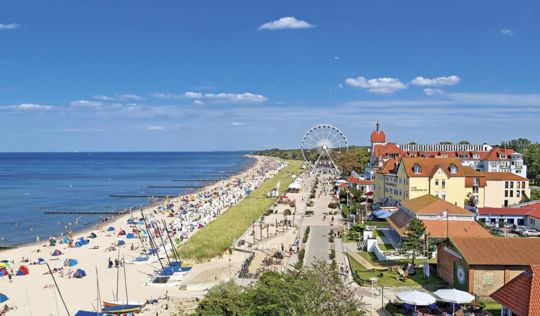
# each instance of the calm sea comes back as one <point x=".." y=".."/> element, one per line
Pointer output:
<point x="33" y="183"/>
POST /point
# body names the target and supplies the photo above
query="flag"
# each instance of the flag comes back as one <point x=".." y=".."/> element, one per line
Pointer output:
<point x="443" y="214"/>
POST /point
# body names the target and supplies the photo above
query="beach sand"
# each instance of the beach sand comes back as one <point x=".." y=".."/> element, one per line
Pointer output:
<point x="35" y="293"/>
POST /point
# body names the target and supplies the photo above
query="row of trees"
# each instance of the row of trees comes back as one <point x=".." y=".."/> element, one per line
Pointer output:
<point x="314" y="290"/>
<point x="531" y="156"/>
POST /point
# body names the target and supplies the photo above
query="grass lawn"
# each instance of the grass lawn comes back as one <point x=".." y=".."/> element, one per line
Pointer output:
<point x="386" y="247"/>
<point x="390" y="278"/>
<point x="212" y="240"/>
<point x="493" y="307"/>
<point x="377" y="223"/>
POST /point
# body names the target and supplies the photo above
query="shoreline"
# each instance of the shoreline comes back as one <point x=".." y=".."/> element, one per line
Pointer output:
<point x="134" y="209"/>
<point x="36" y="291"/>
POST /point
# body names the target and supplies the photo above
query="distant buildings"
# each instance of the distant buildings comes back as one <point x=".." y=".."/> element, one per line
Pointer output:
<point x="527" y="214"/>
<point x="462" y="174"/>
<point x="479" y="157"/>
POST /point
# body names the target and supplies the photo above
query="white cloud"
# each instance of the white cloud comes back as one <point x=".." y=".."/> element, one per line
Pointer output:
<point x="507" y="32"/>
<point x="235" y="98"/>
<point x="198" y="102"/>
<point x="193" y="95"/>
<point x="237" y="124"/>
<point x="166" y="96"/>
<point x="438" y="81"/>
<point x="102" y="98"/>
<point x="27" y="107"/>
<point x="155" y="128"/>
<point x="377" y="85"/>
<point x="288" y="22"/>
<point x="10" y="26"/>
<point x="132" y="97"/>
<point x="431" y="91"/>
<point x="86" y="104"/>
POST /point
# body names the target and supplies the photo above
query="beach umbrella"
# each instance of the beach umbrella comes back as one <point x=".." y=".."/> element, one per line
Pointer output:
<point x="71" y="262"/>
<point x="41" y="261"/>
<point x="80" y="273"/>
<point x="110" y="229"/>
<point x="131" y="235"/>
<point x="120" y="242"/>
<point x="56" y="253"/>
<point x="3" y="298"/>
<point x="3" y="272"/>
<point x="415" y="298"/>
<point x="454" y="296"/>
<point x="23" y="270"/>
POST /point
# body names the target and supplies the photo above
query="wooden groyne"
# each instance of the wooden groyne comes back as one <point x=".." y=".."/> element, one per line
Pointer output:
<point x="195" y="180"/>
<point x="84" y="213"/>
<point x="155" y="196"/>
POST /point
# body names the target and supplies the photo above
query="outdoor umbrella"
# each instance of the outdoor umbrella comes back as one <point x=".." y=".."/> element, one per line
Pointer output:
<point x="3" y="298"/>
<point x="454" y="296"/>
<point x="415" y="298"/>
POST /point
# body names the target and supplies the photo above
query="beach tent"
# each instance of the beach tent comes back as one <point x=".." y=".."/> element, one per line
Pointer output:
<point x="110" y="229"/>
<point x="3" y="298"/>
<point x="52" y="242"/>
<point x="23" y="270"/>
<point x="3" y="272"/>
<point x="66" y="240"/>
<point x="120" y="242"/>
<point x="71" y="262"/>
<point x="80" y="273"/>
<point x="92" y="235"/>
<point x="56" y="253"/>
<point x="121" y="232"/>
<point x="130" y="235"/>
<point x="41" y="261"/>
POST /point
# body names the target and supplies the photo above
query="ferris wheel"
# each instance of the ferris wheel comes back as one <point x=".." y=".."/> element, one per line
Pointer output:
<point x="320" y="143"/>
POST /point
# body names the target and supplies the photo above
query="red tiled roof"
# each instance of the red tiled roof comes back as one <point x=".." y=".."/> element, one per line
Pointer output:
<point x="430" y="165"/>
<point x="499" y="251"/>
<point x="386" y="150"/>
<point x="378" y="137"/>
<point x="431" y="205"/>
<point x="496" y="152"/>
<point x="502" y="176"/>
<point x="517" y="211"/>
<point x="388" y="166"/>
<point x="437" y="229"/>
<point x="522" y="293"/>
<point x="360" y="181"/>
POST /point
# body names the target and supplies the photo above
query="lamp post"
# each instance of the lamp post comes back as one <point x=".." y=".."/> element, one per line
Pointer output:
<point x="373" y="282"/>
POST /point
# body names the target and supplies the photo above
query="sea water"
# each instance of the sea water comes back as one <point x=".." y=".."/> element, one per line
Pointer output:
<point x="34" y="183"/>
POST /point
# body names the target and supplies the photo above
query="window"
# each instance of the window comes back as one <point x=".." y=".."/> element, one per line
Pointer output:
<point x="523" y="185"/>
<point x="517" y="193"/>
<point x="502" y="156"/>
<point x="505" y="203"/>
<point x="511" y="193"/>
<point x="476" y="181"/>
<point x="475" y="190"/>
<point x="488" y="278"/>
<point x="453" y="168"/>
<point x="476" y="156"/>
<point x="417" y="169"/>
<point x="506" y="184"/>
<point x="443" y="183"/>
<point x="436" y="181"/>
<point x="443" y="196"/>
<point x="436" y="193"/>
<point x="511" y="184"/>
<point x="518" y="184"/>
<point x="532" y="221"/>
<point x="505" y="193"/>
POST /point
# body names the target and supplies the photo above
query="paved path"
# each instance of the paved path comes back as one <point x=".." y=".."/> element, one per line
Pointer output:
<point x="317" y="247"/>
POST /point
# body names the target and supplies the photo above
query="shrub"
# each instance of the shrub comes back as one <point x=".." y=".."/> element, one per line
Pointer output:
<point x="306" y="235"/>
<point x="393" y="309"/>
<point x="332" y="254"/>
<point x="312" y="196"/>
<point x="332" y="205"/>
<point x="331" y="237"/>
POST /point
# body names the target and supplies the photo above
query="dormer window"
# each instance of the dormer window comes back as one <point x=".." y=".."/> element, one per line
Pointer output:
<point x="452" y="168"/>
<point x="476" y="156"/>
<point x="417" y="169"/>
<point x="502" y="156"/>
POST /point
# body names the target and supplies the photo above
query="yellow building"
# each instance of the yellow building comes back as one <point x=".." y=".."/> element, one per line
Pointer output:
<point x="444" y="178"/>
<point x="505" y="189"/>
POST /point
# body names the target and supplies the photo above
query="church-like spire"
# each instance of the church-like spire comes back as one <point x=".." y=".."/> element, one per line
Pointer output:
<point x="377" y="129"/>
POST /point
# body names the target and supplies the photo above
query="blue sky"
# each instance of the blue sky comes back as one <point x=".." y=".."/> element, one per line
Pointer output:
<point x="233" y="75"/>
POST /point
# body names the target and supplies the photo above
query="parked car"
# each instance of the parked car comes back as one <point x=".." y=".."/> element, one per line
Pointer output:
<point x="530" y="233"/>
<point x="519" y="228"/>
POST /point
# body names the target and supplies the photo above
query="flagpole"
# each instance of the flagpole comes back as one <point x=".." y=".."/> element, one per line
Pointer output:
<point x="447" y="236"/>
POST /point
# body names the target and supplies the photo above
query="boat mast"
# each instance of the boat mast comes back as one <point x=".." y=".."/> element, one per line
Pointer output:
<point x="125" y="280"/>
<point x="57" y="288"/>
<point x="175" y="253"/>
<point x="152" y="243"/>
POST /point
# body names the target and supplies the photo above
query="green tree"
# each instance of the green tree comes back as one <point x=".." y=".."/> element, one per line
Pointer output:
<point x="313" y="290"/>
<point x="464" y="142"/>
<point x="414" y="241"/>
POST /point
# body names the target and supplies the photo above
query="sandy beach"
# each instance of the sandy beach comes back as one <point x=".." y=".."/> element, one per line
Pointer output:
<point x="36" y="294"/>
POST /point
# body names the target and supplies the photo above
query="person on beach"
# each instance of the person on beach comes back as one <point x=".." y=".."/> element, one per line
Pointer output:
<point x="110" y="263"/>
